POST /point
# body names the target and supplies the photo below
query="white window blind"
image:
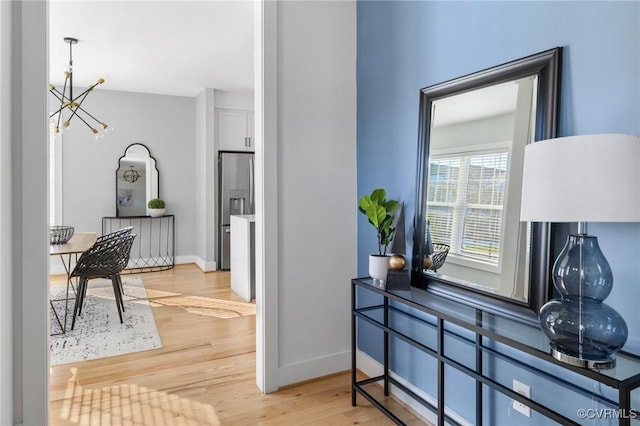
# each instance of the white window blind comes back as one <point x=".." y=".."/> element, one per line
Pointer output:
<point x="465" y="203"/>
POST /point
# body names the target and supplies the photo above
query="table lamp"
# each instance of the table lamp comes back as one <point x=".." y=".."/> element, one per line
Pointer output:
<point x="591" y="178"/>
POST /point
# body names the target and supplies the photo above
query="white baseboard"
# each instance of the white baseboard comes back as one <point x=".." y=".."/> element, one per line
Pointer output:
<point x="313" y="368"/>
<point x="57" y="268"/>
<point x="372" y="368"/>
<point x="204" y="266"/>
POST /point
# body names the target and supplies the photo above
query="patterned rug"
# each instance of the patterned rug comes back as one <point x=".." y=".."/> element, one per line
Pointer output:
<point x="98" y="332"/>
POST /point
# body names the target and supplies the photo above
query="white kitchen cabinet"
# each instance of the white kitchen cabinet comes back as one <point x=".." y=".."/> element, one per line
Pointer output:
<point x="243" y="262"/>
<point x="235" y="130"/>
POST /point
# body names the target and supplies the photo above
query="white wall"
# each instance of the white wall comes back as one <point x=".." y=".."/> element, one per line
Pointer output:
<point x="6" y="290"/>
<point x="166" y="125"/>
<point x="236" y="99"/>
<point x="316" y="186"/>
<point x="206" y="179"/>
<point x="23" y="214"/>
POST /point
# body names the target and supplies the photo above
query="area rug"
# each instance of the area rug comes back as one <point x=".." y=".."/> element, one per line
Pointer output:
<point x="98" y="332"/>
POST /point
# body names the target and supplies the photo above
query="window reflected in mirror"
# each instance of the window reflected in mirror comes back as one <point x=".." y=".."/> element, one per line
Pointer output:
<point x="477" y="141"/>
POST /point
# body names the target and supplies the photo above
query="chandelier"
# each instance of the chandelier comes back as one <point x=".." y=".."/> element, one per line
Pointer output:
<point x="71" y="105"/>
<point x="131" y="175"/>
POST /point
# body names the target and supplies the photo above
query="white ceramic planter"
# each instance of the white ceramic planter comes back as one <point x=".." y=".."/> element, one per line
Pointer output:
<point x="156" y="212"/>
<point x="378" y="267"/>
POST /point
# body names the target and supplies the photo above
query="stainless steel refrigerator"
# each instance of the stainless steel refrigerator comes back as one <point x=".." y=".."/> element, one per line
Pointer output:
<point x="236" y="196"/>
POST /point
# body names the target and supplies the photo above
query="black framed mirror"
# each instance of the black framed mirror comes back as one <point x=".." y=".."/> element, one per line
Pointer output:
<point x="137" y="179"/>
<point x="472" y="134"/>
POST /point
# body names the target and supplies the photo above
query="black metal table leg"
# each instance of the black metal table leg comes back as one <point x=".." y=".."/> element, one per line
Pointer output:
<point x="386" y="347"/>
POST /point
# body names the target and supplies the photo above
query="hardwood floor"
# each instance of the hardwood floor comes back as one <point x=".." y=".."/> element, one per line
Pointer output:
<point x="203" y="375"/>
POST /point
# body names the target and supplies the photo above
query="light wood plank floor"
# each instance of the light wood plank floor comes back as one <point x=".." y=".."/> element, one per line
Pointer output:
<point x="204" y="374"/>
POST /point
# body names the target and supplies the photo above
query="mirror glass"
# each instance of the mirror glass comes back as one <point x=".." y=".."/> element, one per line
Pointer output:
<point x="469" y="241"/>
<point x="136" y="181"/>
<point x="477" y="144"/>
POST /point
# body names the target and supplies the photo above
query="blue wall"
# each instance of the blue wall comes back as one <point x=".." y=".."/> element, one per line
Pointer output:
<point x="405" y="46"/>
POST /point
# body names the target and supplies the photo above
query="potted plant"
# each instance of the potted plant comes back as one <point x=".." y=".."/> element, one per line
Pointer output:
<point x="156" y="207"/>
<point x="379" y="211"/>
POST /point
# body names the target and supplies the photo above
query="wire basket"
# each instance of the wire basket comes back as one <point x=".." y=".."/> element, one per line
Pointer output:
<point x="60" y="234"/>
<point x="438" y="256"/>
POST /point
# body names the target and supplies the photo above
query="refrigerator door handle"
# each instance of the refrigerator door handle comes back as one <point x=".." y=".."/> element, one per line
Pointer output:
<point x="251" y="187"/>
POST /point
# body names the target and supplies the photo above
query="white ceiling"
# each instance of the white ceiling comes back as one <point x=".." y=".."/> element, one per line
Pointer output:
<point x="164" y="47"/>
<point x="477" y="104"/>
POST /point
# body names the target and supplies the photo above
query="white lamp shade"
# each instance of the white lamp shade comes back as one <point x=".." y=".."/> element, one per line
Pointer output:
<point x="591" y="178"/>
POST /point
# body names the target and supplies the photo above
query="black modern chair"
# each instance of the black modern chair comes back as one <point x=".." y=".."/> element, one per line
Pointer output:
<point x="106" y="237"/>
<point x="105" y="259"/>
<point x="101" y="239"/>
<point x="115" y="234"/>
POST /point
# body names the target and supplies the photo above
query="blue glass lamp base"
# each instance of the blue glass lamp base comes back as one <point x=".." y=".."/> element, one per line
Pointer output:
<point x="582" y="330"/>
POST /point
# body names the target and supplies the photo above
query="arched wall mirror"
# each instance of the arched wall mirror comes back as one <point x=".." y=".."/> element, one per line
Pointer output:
<point x="136" y="181"/>
<point x="473" y="131"/>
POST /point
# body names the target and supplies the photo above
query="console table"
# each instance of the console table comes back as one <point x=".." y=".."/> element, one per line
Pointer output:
<point x="154" y="246"/>
<point x="484" y="334"/>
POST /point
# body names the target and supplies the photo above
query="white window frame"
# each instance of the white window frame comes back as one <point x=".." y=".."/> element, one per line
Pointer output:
<point x="464" y="155"/>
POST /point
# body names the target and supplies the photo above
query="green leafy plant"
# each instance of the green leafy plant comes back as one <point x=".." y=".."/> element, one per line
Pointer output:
<point x="379" y="211"/>
<point x="156" y="203"/>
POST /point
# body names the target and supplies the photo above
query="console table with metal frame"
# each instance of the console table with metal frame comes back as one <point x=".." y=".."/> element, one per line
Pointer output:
<point x="154" y="247"/>
<point x="483" y="333"/>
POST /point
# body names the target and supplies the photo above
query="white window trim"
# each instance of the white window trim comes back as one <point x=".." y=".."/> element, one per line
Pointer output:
<point x="470" y="150"/>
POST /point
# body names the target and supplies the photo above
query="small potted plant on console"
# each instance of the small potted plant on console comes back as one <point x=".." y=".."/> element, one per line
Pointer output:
<point x="156" y="207"/>
<point x="379" y="211"/>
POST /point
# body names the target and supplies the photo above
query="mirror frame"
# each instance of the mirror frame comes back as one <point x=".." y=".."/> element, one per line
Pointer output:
<point x="547" y="66"/>
<point x="155" y="168"/>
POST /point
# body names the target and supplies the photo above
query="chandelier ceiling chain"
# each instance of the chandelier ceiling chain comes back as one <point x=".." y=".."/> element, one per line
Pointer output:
<point x="73" y="104"/>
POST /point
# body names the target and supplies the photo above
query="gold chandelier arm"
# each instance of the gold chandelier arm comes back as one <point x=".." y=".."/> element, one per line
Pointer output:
<point x="61" y="97"/>
<point x="93" y="130"/>
<point x="85" y="93"/>
<point x="75" y="106"/>
<point x="58" y="94"/>
<point x="79" y="106"/>
<point x="55" y="92"/>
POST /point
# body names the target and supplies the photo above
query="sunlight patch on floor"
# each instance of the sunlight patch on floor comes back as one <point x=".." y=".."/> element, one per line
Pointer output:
<point x="131" y="404"/>
<point x="152" y="294"/>
<point x="205" y="306"/>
